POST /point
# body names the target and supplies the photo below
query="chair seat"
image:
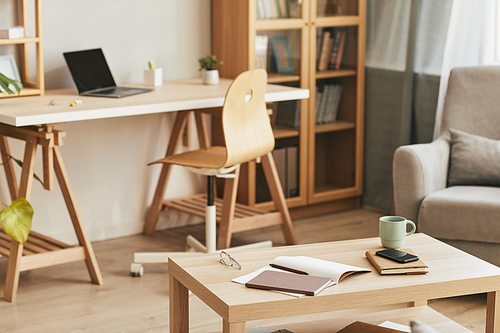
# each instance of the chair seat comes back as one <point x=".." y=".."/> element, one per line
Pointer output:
<point x="208" y="158"/>
<point x="469" y="213"/>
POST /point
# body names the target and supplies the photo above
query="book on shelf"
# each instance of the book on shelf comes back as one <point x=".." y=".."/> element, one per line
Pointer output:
<point x="292" y="172"/>
<point x="328" y="98"/>
<point x="387" y="267"/>
<point x="340" y="54"/>
<point x="272" y="9"/>
<point x="286" y="160"/>
<point x="298" y="267"/>
<point x="261" y="45"/>
<point x="279" y="155"/>
<point x="337" y="36"/>
<point x="326" y="46"/>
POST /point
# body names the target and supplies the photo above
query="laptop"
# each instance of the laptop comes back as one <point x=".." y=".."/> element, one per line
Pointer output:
<point x="92" y="76"/>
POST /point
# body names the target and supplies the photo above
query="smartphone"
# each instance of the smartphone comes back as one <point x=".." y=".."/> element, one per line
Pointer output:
<point x="397" y="255"/>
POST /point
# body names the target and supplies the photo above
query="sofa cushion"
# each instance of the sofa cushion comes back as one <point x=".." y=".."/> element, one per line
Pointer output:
<point x="474" y="160"/>
<point x="469" y="213"/>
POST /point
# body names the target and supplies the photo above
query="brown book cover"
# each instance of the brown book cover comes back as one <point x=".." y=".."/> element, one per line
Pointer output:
<point x="386" y="266"/>
<point x="359" y="326"/>
<point x="289" y="282"/>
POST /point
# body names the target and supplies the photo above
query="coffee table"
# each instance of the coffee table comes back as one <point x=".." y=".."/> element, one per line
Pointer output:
<point x="451" y="273"/>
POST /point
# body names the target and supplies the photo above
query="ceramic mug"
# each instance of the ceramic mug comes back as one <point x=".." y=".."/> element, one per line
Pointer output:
<point x="392" y="231"/>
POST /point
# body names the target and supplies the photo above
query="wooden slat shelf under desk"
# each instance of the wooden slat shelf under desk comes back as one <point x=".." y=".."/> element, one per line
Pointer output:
<point x="195" y="205"/>
<point x="42" y="251"/>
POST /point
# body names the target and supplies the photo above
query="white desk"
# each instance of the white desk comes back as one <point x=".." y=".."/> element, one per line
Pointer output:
<point x="32" y="120"/>
<point x="175" y="95"/>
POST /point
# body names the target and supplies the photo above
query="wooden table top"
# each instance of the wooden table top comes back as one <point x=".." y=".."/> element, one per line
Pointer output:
<point x="175" y="95"/>
<point x="451" y="273"/>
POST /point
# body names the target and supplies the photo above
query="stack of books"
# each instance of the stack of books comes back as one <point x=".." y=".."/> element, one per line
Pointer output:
<point x="327" y="103"/>
<point x="272" y="9"/>
<point x="261" y="43"/>
<point x="330" y="48"/>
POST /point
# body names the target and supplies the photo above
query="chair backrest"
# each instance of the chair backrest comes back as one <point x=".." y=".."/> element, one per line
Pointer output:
<point x="472" y="102"/>
<point x="245" y="122"/>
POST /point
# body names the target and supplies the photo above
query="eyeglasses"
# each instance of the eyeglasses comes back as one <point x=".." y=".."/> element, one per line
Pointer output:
<point x="228" y="261"/>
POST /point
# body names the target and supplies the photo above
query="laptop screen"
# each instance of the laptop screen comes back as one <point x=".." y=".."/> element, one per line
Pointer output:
<point x="89" y="70"/>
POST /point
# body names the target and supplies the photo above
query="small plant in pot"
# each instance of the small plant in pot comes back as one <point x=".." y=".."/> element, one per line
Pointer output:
<point x="209" y="74"/>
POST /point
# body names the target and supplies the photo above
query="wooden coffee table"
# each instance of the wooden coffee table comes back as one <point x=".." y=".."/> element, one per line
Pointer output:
<point x="451" y="273"/>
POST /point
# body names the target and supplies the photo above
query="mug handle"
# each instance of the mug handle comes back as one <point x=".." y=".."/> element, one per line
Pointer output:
<point x="414" y="228"/>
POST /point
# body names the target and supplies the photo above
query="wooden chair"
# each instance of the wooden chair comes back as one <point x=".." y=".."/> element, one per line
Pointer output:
<point x="248" y="136"/>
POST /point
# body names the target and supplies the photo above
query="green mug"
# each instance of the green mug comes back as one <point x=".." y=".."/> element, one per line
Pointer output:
<point x="392" y="231"/>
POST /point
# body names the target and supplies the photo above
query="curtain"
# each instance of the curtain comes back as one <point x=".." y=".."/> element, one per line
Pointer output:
<point x="404" y="58"/>
<point x="470" y="42"/>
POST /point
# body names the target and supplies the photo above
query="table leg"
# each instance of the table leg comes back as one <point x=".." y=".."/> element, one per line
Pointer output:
<point x="179" y="306"/>
<point x="492" y="315"/>
<point x="234" y="327"/>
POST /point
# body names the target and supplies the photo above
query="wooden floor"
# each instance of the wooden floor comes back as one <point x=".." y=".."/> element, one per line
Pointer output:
<point x="61" y="298"/>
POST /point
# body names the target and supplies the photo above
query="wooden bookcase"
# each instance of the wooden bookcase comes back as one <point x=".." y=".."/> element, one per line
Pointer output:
<point x="330" y="155"/>
<point x="29" y="88"/>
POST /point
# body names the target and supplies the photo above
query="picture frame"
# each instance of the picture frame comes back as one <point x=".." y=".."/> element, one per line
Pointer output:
<point x="282" y="54"/>
<point x="8" y="67"/>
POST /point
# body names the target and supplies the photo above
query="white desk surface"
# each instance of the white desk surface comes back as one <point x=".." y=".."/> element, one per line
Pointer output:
<point x="176" y="95"/>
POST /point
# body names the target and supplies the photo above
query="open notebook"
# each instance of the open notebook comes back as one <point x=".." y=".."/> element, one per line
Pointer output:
<point x="302" y="265"/>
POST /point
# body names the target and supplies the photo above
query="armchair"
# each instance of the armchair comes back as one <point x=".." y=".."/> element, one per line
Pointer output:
<point x="463" y="211"/>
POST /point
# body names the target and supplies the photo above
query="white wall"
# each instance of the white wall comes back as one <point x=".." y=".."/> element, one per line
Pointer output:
<point x="106" y="159"/>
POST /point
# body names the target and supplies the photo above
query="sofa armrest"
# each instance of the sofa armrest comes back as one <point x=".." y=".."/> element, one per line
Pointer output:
<point x="417" y="171"/>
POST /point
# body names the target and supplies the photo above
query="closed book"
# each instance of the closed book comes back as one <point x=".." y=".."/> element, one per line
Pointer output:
<point x="326" y="47"/>
<point x="359" y="326"/>
<point x="386" y="266"/>
<point x="288" y="282"/>
<point x="338" y="60"/>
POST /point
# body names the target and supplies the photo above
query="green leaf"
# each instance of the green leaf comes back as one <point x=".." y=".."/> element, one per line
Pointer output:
<point x="5" y="82"/>
<point x="16" y="219"/>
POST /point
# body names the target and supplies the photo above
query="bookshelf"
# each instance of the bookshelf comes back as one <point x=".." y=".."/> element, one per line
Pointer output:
<point x="30" y="87"/>
<point x="330" y="153"/>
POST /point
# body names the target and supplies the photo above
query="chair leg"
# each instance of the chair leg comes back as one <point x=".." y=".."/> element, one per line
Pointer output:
<point x="278" y="197"/>
<point x="229" y="206"/>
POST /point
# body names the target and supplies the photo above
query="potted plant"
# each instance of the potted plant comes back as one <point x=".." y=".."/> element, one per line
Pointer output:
<point x="5" y="82"/>
<point x="209" y="75"/>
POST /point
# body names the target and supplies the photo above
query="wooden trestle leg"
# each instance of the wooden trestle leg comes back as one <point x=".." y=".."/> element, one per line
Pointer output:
<point x="50" y="140"/>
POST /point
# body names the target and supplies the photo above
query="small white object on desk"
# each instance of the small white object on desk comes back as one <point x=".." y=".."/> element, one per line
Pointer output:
<point x="12" y="32"/>
<point x="153" y="77"/>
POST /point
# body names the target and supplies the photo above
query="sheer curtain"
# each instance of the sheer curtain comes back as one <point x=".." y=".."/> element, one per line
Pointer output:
<point x="470" y="41"/>
<point x="405" y="48"/>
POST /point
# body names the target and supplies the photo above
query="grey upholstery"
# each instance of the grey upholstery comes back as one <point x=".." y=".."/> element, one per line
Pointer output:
<point x="465" y="216"/>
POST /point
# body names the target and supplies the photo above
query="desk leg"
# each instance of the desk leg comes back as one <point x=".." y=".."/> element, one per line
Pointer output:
<point x="278" y="196"/>
<point x="234" y="327"/>
<point x="492" y="315"/>
<point x="156" y="205"/>
<point x="74" y="212"/>
<point x="16" y="248"/>
<point x="179" y="306"/>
